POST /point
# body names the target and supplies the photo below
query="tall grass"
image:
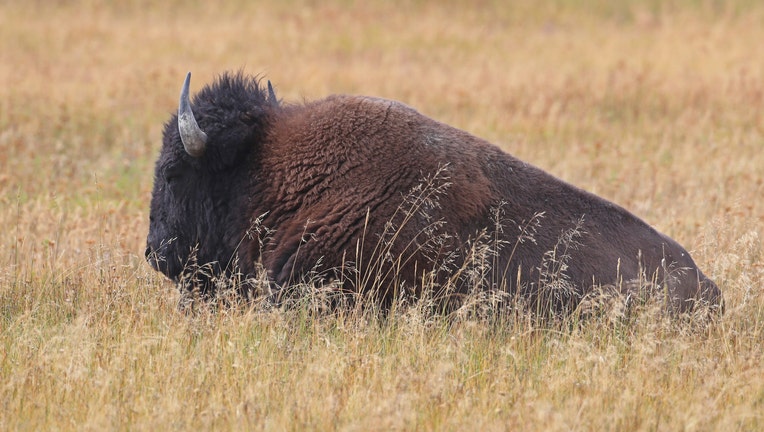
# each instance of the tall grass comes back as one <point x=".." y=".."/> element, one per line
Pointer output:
<point x="658" y="106"/>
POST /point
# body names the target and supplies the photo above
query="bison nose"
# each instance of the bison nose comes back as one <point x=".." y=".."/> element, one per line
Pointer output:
<point x="151" y="258"/>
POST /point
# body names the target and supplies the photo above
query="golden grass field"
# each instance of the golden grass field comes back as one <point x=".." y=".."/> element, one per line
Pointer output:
<point x="658" y="106"/>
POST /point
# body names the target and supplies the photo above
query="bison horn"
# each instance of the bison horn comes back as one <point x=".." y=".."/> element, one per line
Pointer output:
<point x="194" y="139"/>
<point x="272" y="95"/>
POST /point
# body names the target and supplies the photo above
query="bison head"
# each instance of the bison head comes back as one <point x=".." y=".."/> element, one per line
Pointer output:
<point x="203" y="170"/>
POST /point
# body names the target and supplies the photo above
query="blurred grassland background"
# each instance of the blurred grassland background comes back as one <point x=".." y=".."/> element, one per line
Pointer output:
<point x="658" y="106"/>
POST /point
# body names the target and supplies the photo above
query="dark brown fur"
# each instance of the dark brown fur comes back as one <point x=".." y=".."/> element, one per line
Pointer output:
<point x="336" y="181"/>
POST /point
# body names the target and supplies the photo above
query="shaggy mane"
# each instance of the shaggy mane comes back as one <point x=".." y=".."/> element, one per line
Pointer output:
<point x="232" y="91"/>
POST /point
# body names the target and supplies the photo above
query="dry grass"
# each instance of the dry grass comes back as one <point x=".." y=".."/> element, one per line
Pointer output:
<point x="658" y="106"/>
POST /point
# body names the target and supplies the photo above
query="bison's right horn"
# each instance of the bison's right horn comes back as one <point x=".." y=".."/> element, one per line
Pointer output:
<point x="194" y="139"/>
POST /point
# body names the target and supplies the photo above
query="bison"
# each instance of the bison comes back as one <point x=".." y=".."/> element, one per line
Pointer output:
<point x="379" y="199"/>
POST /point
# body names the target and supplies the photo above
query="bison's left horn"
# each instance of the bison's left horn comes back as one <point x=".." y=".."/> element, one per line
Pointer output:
<point x="272" y="99"/>
<point x="194" y="139"/>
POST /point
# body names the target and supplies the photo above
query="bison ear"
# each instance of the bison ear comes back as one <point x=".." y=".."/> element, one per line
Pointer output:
<point x="272" y="95"/>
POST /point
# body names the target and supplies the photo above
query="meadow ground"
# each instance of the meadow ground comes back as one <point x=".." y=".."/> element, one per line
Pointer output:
<point x="658" y="106"/>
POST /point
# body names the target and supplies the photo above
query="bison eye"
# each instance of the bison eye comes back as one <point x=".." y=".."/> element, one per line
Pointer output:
<point x="173" y="173"/>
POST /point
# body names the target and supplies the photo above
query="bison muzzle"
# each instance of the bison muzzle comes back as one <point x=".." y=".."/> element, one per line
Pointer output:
<point x="381" y="200"/>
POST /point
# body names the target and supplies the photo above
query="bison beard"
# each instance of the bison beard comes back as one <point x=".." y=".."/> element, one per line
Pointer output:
<point x="384" y="201"/>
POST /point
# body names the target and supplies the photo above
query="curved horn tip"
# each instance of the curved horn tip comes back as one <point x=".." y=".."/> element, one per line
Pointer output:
<point x="194" y="139"/>
<point x="184" y="89"/>
<point x="272" y="94"/>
